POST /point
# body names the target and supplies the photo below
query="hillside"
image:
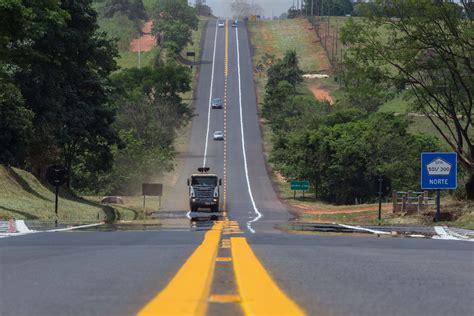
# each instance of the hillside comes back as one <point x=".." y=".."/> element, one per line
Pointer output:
<point x="23" y="196"/>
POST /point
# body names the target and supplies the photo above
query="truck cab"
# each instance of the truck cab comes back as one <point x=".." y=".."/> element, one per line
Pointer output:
<point x="204" y="191"/>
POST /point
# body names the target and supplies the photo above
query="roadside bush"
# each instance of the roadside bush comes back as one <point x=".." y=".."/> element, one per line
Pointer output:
<point x="342" y="158"/>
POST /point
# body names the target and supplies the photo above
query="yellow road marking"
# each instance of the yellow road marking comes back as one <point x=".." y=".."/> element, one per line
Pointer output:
<point x="187" y="292"/>
<point x="224" y="298"/>
<point x="259" y="293"/>
<point x="226" y="72"/>
<point x="223" y="259"/>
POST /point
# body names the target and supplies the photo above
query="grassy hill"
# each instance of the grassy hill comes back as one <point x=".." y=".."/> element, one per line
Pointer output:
<point x="23" y="196"/>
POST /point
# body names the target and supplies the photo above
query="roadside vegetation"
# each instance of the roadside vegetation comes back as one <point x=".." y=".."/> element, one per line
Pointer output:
<point x="374" y="127"/>
<point x="23" y="196"/>
<point x="88" y="107"/>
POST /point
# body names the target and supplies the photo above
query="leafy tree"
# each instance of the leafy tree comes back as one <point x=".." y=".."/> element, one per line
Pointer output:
<point x="15" y="125"/>
<point x="202" y="8"/>
<point x="428" y="47"/>
<point x="133" y="9"/>
<point x="328" y="7"/>
<point x="342" y="156"/>
<point x="286" y="69"/>
<point x="174" y="20"/>
<point x="165" y="82"/>
<point x="134" y="163"/>
<point x="242" y="8"/>
<point x="149" y="113"/>
<point x="65" y="84"/>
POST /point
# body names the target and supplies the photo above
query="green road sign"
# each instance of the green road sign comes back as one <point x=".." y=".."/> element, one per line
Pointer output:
<point x="299" y="185"/>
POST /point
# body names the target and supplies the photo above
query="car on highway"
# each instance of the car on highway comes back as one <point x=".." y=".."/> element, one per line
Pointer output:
<point x="216" y="103"/>
<point x="218" y="135"/>
<point x="234" y="24"/>
<point x="220" y="24"/>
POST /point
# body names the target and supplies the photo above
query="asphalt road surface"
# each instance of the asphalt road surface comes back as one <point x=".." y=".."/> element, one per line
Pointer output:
<point x="239" y="264"/>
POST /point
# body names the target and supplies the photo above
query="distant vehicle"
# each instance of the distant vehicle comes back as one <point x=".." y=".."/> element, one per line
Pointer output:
<point x="204" y="191"/>
<point x="220" y="24"/>
<point x="234" y="24"/>
<point x="216" y="103"/>
<point x="218" y="135"/>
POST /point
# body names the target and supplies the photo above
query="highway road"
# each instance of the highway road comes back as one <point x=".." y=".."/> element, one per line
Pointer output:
<point x="239" y="264"/>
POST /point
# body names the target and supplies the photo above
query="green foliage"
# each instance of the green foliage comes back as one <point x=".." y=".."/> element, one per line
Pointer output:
<point x="327" y="7"/>
<point x="23" y="22"/>
<point x="341" y="150"/>
<point x="121" y="28"/>
<point x="135" y="162"/>
<point x="203" y="9"/>
<point x="15" y="125"/>
<point x="343" y="156"/>
<point x="428" y="48"/>
<point x="149" y="114"/>
<point x="286" y="69"/>
<point x="60" y="64"/>
<point x="174" y="21"/>
<point x="133" y="9"/>
<point x="165" y="82"/>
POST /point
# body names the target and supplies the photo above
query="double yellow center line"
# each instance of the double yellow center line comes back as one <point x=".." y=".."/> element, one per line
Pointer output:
<point x="189" y="292"/>
<point x="226" y="75"/>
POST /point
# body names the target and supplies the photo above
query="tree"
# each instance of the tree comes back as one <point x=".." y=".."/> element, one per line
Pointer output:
<point x="133" y="9"/>
<point x="202" y="8"/>
<point x="327" y="7"/>
<point x="428" y="48"/>
<point x="286" y="69"/>
<point x="65" y="83"/>
<point x="343" y="154"/>
<point x="242" y="8"/>
<point x="15" y="125"/>
<point x="174" y="20"/>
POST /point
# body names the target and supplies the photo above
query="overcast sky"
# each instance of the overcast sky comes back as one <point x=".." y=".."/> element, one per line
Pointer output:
<point x="222" y="7"/>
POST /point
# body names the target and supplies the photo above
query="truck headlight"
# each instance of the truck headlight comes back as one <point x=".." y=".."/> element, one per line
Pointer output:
<point x="194" y="200"/>
<point x="215" y="200"/>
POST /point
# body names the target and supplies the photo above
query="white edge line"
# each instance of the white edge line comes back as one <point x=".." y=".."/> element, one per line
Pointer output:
<point x="73" y="228"/>
<point x="210" y="98"/>
<point x="258" y="214"/>
<point x="50" y="231"/>
<point x="378" y="232"/>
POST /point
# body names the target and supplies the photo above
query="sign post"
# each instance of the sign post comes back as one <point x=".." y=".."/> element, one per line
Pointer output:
<point x="152" y="189"/>
<point x="56" y="176"/>
<point x="299" y="186"/>
<point x="439" y="171"/>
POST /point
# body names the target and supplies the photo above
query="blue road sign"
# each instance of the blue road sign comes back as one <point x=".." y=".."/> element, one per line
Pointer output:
<point x="439" y="171"/>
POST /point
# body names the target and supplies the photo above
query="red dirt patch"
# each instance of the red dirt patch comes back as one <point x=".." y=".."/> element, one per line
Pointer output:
<point x="146" y="42"/>
<point x="315" y="211"/>
<point x="321" y="94"/>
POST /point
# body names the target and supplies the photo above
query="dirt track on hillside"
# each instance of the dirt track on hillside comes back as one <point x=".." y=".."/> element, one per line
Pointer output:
<point x="146" y="42"/>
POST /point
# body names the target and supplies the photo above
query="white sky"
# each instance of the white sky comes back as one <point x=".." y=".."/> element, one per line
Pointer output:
<point x="222" y="7"/>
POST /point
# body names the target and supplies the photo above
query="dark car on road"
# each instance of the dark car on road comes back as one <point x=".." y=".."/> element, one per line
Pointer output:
<point x="234" y="24"/>
<point x="216" y="103"/>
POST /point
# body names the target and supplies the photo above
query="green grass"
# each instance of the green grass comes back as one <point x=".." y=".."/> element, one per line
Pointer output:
<point x="132" y="209"/>
<point x="121" y="28"/>
<point x="149" y="5"/>
<point x="194" y="46"/>
<point x="22" y="196"/>
<point x="399" y="104"/>
<point x="278" y="36"/>
<point x="129" y="59"/>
